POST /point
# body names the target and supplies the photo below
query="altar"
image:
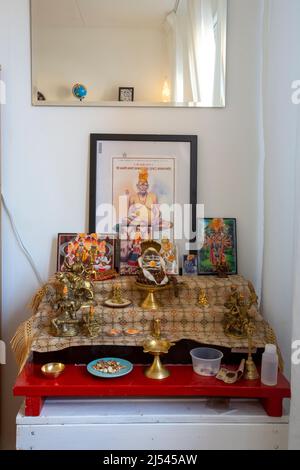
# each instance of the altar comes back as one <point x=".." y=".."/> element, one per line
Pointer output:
<point x="183" y="315"/>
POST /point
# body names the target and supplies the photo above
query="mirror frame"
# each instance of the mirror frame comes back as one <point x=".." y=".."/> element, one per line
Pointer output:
<point x="121" y="104"/>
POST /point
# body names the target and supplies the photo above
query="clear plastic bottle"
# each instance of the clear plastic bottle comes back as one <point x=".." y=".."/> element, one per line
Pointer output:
<point x="269" y="365"/>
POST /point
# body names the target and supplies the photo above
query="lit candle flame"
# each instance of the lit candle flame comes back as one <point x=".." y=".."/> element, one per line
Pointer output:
<point x="166" y="92"/>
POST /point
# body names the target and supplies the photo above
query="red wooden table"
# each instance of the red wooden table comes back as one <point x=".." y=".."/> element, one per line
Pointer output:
<point x="75" y="381"/>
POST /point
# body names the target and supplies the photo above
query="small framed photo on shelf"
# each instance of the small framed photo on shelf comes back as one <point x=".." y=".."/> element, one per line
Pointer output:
<point x="126" y="94"/>
<point x="190" y="265"/>
<point x="219" y="246"/>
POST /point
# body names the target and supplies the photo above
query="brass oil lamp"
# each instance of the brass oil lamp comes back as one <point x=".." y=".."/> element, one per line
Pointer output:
<point x="156" y="346"/>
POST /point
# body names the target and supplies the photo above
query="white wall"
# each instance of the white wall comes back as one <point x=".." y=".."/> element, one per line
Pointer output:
<point x="281" y="273"/>
<point x="103" y="59"/>
<point x="282" y="67"/>
<point x="45" y="161"/>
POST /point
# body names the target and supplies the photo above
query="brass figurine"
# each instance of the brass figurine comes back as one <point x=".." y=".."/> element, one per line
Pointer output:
<point x="203" y="300"/>
<point x="91" y="325"/>
<point x="222" y="269"/>
<point x="117" y="300"/>
<point x="66" y="324"/>
<point x="239" y="324"/>
<point x="156" y="346"/>
<point x="250" y="367"/>
<point x="117" y="296"/>
<point x="237" y="319"/>
<point x="67" y="292"/>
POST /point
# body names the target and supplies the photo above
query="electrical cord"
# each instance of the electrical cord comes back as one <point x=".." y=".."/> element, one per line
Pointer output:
<point x="20" y="242"/>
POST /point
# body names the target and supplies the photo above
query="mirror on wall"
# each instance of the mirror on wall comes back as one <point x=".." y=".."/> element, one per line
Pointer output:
<point x="129" y="52"/>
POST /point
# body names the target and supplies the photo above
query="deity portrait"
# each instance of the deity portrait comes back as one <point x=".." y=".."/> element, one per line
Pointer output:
<point x="130" y="247"/>
<point x="143" y="189"/>
<point x="219" y="246"/>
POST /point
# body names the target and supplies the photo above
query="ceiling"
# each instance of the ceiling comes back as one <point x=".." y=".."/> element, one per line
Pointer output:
<point x="99" y="13"/>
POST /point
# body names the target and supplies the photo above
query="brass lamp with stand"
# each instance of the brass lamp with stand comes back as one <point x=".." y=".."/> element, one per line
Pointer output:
<point x="156" y="346"/>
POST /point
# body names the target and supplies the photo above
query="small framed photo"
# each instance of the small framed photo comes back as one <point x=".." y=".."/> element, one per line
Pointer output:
<point x="126" y="94"/>
<point x="69" y="245"/>
<point x="219" y="245"/>
<point x="190" y="265"/>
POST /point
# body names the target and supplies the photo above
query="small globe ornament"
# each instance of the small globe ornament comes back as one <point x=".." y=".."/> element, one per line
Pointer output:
<point x="79" y="91"/>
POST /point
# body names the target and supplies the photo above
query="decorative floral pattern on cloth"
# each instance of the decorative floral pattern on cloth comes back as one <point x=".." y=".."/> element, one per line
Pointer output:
<point x="184" y="315"/>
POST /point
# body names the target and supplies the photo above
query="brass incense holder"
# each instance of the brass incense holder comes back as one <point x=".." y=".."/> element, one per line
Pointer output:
<point x="156" y="346"/>
<point x="150" y="302"/>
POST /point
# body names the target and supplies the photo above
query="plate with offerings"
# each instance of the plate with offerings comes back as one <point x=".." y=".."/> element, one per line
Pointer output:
<point x="109" y="367"/>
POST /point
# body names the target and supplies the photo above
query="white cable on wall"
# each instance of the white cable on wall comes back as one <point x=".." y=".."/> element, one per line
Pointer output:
<point x="20" y="242"/>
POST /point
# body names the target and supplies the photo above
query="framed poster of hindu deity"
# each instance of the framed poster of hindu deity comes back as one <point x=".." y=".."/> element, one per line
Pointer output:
<point x="102" y="247"/>
<point x="143" y="186"/>
<point x="219" y="245"/>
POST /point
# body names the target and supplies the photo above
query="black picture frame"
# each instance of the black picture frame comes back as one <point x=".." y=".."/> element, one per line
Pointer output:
<point x="127" y="89"/>
<point x="192" y="140"/>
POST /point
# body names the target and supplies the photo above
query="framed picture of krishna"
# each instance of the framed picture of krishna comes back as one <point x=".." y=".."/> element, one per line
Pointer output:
<point x="219" y="246"/>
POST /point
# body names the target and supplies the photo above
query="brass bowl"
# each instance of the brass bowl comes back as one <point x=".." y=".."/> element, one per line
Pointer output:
<point x="53" y="369"/>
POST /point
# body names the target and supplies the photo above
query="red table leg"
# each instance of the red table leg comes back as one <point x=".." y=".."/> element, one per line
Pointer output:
<point x="272" y="406"/>
<point x="33" y="406"/>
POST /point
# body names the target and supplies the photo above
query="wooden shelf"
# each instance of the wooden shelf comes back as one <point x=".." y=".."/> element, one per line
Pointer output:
<point x="77" y="382"/>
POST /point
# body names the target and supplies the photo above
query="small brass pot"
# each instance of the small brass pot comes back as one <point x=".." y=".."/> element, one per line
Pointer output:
<point x="53" y="369"/>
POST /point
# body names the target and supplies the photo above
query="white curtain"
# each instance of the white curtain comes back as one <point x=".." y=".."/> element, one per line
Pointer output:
<point x="220" y="26"/>
<point x="201" y="50"/>
<point x="196" y="74"/>
<point x="175" y="51"/>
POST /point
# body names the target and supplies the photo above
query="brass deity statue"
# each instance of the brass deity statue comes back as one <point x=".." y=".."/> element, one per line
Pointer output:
<point x="237" y="321"/>
<point x="66" y="324"/>
<point x="67" y="292"/>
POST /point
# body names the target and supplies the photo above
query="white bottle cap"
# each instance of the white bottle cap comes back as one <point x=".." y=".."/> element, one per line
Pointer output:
<point x="271" y="348"/>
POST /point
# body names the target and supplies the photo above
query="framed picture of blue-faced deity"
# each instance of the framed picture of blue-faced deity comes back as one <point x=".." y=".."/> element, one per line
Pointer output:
<point x="219" y="246"/>
<point x="84" y="247"/>
<point x="143" y="186"/>
<point x="190" y="265"/>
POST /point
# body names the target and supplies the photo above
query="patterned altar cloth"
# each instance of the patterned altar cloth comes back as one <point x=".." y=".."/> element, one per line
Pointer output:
<point x="181" y="317"/>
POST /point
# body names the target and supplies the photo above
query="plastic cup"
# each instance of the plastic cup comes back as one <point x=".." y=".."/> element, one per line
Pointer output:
<point x="206" y="361"/>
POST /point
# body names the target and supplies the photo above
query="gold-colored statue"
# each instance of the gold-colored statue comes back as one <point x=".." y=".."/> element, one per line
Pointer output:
<point x="222" y="269"/>
<point x="117" y="300"/>
<point x="78" y="275"/>
<point x="239" y="324"/>
<point x="67" y="292"/>
<point x="66" y="323"/>
<point x="250" y="368"/>
<point x="91" y="325"/>
<point x="237" y="319"/>
<point x="203" y="300"/>
<point x="117" y="295"/>
<point x="156" y="346"/>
